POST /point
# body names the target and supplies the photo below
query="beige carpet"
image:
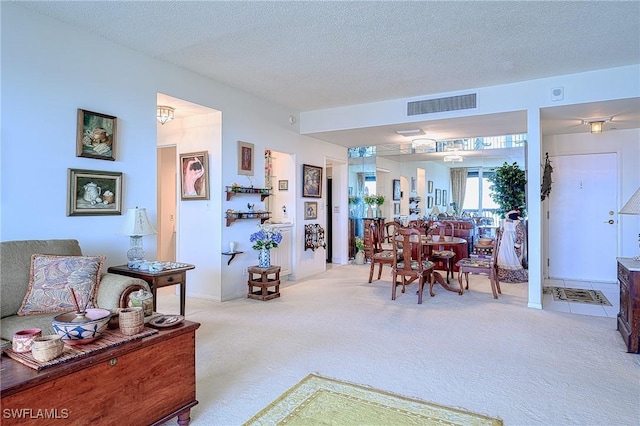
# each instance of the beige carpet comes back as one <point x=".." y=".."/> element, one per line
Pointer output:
<point x="494" y="357"/>
<point x="319" y="400"/>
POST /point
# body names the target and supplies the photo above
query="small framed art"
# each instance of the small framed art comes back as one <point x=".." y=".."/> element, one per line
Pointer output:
<point x="94" y="193"/>
<point x="310" y="210"/>
<point x="96" y="135"/>
<point x="311" y="181"/>
<point x="430" y="186"/>
<point x="283" y="185"/>
<point x="245" y="158"/>
<point x="444" y="197"/>
<point x="429" y="202"/>
<point x="438" y="196"/>
<point x="397" y="194"/>
<point x="396" y="208"/>
<point x="194" y="176"/>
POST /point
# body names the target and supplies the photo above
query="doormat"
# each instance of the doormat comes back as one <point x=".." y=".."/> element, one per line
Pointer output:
<point x="579" y="295"/>
<point x="318" y="400"/>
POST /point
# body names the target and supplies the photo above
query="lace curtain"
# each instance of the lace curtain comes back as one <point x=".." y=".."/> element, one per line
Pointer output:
<point x="458" y="187"/>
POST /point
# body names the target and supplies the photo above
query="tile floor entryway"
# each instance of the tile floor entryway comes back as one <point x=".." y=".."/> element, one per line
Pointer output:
<point x="610" y="290"/>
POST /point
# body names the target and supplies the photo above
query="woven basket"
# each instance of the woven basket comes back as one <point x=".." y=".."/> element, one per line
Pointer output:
<point x="46" y="348"/>
<point x="131" y="320"/>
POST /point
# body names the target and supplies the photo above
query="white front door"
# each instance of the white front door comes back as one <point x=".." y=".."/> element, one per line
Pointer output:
<point x="583" y="219"/>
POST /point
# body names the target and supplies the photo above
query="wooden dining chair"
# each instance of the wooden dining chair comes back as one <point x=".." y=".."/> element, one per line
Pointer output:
<point x="379" y="256"/>
<point x="409" y="263"/>
<point x="440" y="255"/>
<point x="482" y="264"/>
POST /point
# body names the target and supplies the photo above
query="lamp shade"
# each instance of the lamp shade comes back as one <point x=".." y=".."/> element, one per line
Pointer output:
<point x="633" y="205"/>
<point x="136" y="222"/>
<point x="435" y="210"/>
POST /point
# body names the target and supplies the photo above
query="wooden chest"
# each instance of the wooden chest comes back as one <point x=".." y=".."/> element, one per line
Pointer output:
<point x="146" y="381"/>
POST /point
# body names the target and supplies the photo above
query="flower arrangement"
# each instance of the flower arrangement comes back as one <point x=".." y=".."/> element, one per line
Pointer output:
<point x="359" y="244"/>
<point x="266" y="238"/>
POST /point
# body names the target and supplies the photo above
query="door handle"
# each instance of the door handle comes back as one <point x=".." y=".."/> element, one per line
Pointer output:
<point x="610" y="221"/>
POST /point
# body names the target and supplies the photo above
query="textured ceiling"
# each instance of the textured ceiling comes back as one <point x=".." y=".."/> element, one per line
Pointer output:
<point x="319" y="54"/>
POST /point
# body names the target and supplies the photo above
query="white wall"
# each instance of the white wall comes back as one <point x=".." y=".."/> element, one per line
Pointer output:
<point x="50" y="69"/>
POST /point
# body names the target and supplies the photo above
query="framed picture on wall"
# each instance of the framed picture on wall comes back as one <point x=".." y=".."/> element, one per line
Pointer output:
<point x="438" y="197"/>
<point x="283" y="185"/>
<point x="311" y="181"/>
<point x="397" y="194"/>
<point x="396" y="208"/>
<point x="429" y="202"/>
<point x="94" y="193"/>
<point x="310" y="210"/>
<point x="96" y="135"/>
<point x="430" y="187"/>
<point x="444" y="197"/>
<point x="413" y="184"/>
<point x="246" y="152"/>
<point x="194" y="176"/>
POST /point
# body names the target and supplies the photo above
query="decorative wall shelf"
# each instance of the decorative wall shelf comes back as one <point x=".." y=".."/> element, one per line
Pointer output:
<point x="233" y="216"/>
<point x="232" y="254"/>
<point x="314" y="237"/>
<point x="236" y="190"/>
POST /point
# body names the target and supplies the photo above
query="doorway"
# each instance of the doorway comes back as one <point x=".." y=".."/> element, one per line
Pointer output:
<point x="167" y="202"/>
<point x="582" y="218"/>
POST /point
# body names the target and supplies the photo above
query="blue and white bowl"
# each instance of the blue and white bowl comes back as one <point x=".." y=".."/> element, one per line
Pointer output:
<point x="78" y="330"/>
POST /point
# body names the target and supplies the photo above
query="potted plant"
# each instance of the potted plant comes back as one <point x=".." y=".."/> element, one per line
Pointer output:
<point x="379" y="203"/>
<point x="508" y="187"/>
<point x="370" y="200"/>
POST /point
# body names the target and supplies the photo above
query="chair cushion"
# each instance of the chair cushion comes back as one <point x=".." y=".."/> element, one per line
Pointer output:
<point x="386" y="255"/>
<point x="443" y="253"/>
<point x="51" y="277"/>
<point x="474" y="263"/>
<point x="426" y="264"/>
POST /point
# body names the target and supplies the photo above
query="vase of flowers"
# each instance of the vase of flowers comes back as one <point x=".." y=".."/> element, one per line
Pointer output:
<point x="263" y="241"/>
<point x="359" y="258"/>
<point x="370" y="201"/>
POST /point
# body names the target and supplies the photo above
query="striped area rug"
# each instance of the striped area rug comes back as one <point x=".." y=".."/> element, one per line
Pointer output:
<point x="579" y="295"/>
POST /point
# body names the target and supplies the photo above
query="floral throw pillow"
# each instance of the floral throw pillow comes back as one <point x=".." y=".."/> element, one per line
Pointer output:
<point x="51" y="277"/>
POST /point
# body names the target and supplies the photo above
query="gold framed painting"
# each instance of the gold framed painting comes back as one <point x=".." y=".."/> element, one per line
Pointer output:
<point x="246" y="152"/>
<point x="311" y="181"/>
<point x="310" y="210"/>
<point x="194" y="176"/>
<point x="96" y="135"/>
<point x="94" y="193"/>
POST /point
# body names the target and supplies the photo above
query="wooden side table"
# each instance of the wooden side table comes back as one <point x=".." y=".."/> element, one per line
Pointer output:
<point x="259" y="277"/>
<point x="164" y="278"/>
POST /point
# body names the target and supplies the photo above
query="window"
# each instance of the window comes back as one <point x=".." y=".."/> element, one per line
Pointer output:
<point x="477" y="197"/>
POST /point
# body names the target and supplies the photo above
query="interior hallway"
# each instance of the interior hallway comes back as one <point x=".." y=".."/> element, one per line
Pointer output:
<point x="495" y="357"/>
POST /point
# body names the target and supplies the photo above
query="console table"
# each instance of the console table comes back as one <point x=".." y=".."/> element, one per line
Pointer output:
<point x="144" y="381"/>
<point x="162" y="278"/>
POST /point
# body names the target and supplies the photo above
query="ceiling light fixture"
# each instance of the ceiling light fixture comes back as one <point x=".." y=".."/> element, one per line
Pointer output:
<point x="164" y="113"/>
<point x="422" y="145"/>
<point x="410" y="132"/>
<point x="453" y="158"/>
<point x="596" y="123"/>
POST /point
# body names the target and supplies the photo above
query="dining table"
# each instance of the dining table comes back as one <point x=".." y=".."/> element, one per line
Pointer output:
<point x="443" y="242"/>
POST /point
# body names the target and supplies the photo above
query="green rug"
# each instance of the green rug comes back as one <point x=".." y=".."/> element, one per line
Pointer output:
<point x="579" y="295"/>
<point x="317" y="400"/>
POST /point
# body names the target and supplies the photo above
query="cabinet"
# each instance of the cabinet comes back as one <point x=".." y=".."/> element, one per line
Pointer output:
<point x="232" y="215"/>
<point x="629" y="315"/>
<point x="281" y="255"/>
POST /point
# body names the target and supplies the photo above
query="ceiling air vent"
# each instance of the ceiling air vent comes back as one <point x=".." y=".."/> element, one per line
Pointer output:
<point x="451" y="103"/>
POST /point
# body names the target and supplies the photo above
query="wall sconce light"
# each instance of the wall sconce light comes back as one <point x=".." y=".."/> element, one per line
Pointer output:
<point x="164" y="113"/>
<point x="596" y="123"/>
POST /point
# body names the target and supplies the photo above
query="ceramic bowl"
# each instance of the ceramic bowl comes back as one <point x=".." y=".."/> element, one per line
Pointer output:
<point x="484" y="241"/>
<point x="23" y="339"/>
<point x="78" y="331"/>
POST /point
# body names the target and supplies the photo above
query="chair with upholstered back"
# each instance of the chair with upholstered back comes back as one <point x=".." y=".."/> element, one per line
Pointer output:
<point x="482" y="264"/>
<point x="379" y="256"/>
<point x="440" y="255"/>
<point x="409" y="263"/>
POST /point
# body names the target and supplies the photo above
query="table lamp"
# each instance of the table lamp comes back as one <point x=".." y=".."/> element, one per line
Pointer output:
<point x="136" y="224"/>
<point x="633" y="207"/>
<point x="435" y="211"/>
